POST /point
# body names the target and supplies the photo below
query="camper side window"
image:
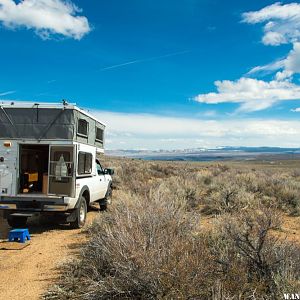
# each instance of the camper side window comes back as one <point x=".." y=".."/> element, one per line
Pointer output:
<point x="83" y="127"/>
<point x="99" y="134"/>
<point x="84" y="163"/>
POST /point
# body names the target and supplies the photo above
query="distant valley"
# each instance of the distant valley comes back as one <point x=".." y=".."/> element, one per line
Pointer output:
<point x="212" y="154"/>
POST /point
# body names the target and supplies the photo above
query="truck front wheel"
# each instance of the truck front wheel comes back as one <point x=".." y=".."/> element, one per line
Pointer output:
<point x="80" y="212"/>
<point x="16" y="222"/>
<point x="107" y="200"/>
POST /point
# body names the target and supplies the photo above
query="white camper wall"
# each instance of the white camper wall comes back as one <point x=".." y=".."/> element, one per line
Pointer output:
<point x="8" y="168"/>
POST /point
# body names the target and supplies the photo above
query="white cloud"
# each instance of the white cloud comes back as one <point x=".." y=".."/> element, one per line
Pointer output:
<point x="282" y="23"/>
<point x="283" y="75"/>
<point x="292" y="62"/>
<point x="46" y="17"/>
<point x="269" y="68"/>
<point x="296" y="109"/>
<point x="288" y="66"/>
<point x="253" y="94"/>
<point x="132" y="131"/>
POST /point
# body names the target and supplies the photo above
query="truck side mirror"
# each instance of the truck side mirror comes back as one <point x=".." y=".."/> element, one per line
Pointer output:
<point x="109" y="171"/>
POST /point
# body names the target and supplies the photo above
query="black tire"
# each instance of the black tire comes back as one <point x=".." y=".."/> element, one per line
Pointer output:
<point x="107" y="200"/>
<point x="17" y="222"/>
<point x="103" y="207"/>
<point x="81" y="213"/>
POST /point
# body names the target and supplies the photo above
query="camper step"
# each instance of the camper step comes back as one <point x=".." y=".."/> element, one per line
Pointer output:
<point x="19" y="235"/>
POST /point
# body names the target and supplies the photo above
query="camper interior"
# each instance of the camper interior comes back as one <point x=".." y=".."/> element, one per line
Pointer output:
<point x="34" y="161"/>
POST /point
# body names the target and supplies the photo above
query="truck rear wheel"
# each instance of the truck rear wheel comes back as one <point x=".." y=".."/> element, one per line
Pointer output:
<point x="81" y="213"/>
<point x="17" y="222"/>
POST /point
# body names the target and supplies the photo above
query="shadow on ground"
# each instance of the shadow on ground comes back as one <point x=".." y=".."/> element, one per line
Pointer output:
<point x="38" y="225"/>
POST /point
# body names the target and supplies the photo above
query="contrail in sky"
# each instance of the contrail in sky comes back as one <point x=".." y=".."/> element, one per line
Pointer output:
<point x="137" y="61"/>
<point x="7" y="93"/>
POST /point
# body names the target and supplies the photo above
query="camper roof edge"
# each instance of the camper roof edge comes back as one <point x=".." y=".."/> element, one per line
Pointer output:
<point x="23" y="104"/>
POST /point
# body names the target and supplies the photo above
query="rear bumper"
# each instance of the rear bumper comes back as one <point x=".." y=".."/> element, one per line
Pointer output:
<point x="33" y="204"/>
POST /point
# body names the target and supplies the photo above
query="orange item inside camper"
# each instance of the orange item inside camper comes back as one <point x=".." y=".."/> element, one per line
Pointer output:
<point x="32" y="177"/>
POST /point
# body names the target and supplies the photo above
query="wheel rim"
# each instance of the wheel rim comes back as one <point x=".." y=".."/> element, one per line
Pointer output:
<point x="82" y="213"/>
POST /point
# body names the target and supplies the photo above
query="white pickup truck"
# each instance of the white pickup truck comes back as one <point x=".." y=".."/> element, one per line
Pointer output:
<point x="49" y="163"/>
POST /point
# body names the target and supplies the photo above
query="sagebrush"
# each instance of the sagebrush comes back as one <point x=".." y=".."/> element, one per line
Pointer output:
<point x="152" y="244"/>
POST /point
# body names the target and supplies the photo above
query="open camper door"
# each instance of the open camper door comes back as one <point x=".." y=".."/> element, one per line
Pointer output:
<point x="61" y="180"/>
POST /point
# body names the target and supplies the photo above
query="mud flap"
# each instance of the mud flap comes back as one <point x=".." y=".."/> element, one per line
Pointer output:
<point x="72" y="216"/>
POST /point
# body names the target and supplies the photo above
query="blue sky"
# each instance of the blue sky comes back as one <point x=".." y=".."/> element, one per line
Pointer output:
<point x="161" y="74"/>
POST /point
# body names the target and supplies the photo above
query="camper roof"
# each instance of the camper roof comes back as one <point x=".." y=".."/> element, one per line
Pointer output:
<point x="65" y="105"/>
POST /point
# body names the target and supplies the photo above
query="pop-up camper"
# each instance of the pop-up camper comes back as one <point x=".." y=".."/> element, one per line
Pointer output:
<point x="48" y="162"/>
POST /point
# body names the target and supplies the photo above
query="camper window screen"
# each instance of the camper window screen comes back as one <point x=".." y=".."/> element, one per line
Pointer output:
<point x="84" y="163"/>
<point x="99" y="134"/>
<point x="61" y="167"/>
<point x="82" y="127"/>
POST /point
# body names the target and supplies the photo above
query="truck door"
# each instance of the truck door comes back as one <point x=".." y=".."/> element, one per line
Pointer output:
<point x="61" y="179"/>
<point x="101" y="181"/>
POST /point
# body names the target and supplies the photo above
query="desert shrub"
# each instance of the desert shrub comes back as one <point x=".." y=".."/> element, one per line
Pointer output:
<point x="226" y="194"/>
<point x="144" y="249"/>
<point x="219" y="169"/>
<point x="285" y="191"/>
<point x="128" y="176"/>
<point x="162" y="170"/>
<point x="295" y="173"/>
<point x="185" y="190"/>
<point x="154" y="249"/>
<point x="251" y="260"/>
<point x="233" y="190"/>
<point x="250" y="181"/>
<point x="150" y="245"/>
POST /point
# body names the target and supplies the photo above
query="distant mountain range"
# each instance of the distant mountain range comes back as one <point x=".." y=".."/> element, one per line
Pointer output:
<point x="209" y="154"/>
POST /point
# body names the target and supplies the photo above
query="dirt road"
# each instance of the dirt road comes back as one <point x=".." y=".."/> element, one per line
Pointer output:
<point x="26" y="274"/>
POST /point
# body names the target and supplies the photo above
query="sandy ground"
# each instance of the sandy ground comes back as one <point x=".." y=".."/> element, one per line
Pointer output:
<point x="26" y="273"/>
<point x="290" y="229"/>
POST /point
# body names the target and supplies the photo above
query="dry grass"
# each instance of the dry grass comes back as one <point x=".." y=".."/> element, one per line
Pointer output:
<point x="150" y="245"/>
